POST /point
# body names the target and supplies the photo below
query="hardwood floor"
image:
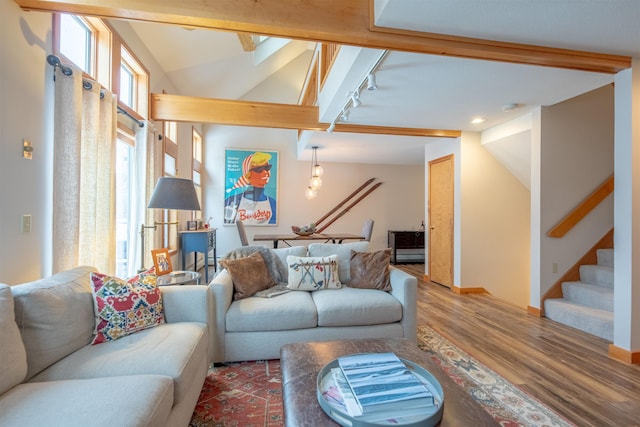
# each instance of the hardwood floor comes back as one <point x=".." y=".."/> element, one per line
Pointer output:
<point x="566" y="369"/>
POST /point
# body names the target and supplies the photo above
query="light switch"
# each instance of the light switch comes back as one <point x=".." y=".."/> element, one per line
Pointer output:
<point x="26" y="223"/>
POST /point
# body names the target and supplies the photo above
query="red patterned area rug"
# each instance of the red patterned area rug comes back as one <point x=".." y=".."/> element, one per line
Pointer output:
<point x="244" y="394"/>
<point x="249" y="394"/>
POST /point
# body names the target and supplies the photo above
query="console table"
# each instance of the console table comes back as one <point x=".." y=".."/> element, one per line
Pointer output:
<point x="405" y="240"/>
<point x="199" y="241"/>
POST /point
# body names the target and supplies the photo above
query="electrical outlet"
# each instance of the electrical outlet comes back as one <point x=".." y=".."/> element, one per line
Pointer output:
<point x="26" y="223"/>
<point x="554" y="267"/>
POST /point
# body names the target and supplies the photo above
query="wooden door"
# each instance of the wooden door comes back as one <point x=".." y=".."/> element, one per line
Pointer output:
<point x="441" y="221"/>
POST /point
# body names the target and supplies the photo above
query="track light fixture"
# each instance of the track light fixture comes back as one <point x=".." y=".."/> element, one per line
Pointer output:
<point x="371" y="82"/>
<point x="331" y="127"/>
<point x="355" y="99"/>
<point x="344" y="116"/>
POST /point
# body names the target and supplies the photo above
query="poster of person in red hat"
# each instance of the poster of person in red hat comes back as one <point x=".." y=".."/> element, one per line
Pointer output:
<point x="251" y="187"/>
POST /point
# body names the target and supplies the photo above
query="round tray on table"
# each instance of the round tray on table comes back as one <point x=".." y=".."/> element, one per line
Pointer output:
<point x="429" y="417"/>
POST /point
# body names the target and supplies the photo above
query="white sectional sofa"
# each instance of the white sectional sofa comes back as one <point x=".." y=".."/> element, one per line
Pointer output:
<point x="50" y="374"/>
<point x="255" y="328"/>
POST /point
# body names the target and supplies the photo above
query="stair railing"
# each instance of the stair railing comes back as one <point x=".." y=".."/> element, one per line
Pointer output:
<point x="580" y="211"/>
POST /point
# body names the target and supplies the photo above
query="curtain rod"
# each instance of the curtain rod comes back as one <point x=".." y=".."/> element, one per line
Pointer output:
<point x="54" y="61"/>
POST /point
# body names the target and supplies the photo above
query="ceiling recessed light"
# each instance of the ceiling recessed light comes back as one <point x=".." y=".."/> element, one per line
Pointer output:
<point x="478" y="120"/>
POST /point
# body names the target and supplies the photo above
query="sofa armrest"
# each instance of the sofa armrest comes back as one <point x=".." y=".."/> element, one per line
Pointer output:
<point x="405" y="288"/>
<point x="222" y="290"/>
<point x="190" y="303"/>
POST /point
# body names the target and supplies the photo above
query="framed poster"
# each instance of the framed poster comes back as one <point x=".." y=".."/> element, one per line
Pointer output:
<point x="251" y="187"/>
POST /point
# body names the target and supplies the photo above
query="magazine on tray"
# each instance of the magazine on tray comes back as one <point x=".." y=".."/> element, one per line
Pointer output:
<point x="382" y="382"/>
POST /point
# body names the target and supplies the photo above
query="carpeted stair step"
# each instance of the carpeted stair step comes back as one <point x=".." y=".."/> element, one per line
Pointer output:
<point x="605" y="257"/>
<point x="591" y="320"/>
<point x="597" y="275"/>
<point x="587" y="294"/>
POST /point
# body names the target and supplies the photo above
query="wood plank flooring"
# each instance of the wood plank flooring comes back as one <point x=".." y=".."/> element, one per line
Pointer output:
<point x="566" y="369"/>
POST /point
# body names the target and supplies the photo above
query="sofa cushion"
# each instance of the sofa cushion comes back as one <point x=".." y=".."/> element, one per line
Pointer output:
<point x="356" y="307"/>
<point x="169" y="349"/>
<point x="344" y="255"/>
<point x="249" y="274"/>
<point x="132" y="401"/>
<point x="123" y="307"/>
<point x="13" y="367"/>
<point x="370" y="270"/>
<point x="283" y="253"/>
<point x="55" y="316"/>
<point x="293" y="310"/>
<point x="313" y="273"/>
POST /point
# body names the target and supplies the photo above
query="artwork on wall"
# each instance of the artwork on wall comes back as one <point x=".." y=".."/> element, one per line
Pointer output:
<point x="251" y="187"/>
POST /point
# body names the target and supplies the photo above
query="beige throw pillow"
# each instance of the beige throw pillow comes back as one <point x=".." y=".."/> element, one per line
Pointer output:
<point x="249" y="274"/>
<point x="313" y="273"/>
<point x="370" y="270"/>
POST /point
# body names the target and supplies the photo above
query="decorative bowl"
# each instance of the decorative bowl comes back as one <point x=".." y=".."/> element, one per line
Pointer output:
<point x="305" y="230"/>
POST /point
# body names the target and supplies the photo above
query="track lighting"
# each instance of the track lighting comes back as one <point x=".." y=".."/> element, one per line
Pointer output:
<point x="331" y="127"/>
<point x="344" y="116"/>
<point x="355" y="99"/>
<point x="371" y="82"/>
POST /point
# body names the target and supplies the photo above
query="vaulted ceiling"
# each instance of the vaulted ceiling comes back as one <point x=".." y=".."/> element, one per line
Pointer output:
<point x="537" y="53"/>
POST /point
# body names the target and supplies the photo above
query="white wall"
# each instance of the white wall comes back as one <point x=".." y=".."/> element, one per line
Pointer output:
<point x="397" y="204"/>
<point x="495" y="225"/>
<point x="26" y="87"/>
<point x="577" y="150"/>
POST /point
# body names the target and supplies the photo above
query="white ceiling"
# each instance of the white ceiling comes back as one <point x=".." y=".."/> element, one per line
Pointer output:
<point x="416" y="90"/>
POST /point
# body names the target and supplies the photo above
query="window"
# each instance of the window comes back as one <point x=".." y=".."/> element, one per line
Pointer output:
<point x="170" y="231"/>
<point x="92" y="44"/>
<point x="125" y="169"/>
<point x="197" y="166"/>
<point x="76" y="41"/>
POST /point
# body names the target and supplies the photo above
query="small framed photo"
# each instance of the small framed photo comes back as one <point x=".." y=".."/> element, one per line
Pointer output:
<point x="200" y="224"/>
<point x="192" y="225"/>
<point x="161" y="261"/>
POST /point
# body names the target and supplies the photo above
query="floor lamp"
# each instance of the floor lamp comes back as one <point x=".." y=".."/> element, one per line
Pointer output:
<point x="170" y="193"/>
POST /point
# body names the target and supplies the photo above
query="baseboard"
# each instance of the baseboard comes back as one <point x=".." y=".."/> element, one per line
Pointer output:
<point x="461" y="291"/>
<point x="425" y="277"/>
<point x="624" y="355"/>
<point x="535" y="311"/>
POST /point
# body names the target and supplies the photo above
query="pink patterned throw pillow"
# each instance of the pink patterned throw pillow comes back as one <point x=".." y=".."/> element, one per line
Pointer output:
<point x="123" y="307"/>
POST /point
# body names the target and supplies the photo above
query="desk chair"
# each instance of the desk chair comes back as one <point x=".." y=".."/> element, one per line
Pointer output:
<point x="243" y="233"/>
<point x="367" y="229"/>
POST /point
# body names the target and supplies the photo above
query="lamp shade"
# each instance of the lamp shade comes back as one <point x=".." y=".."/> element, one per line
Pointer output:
<point x="174" y="193"/>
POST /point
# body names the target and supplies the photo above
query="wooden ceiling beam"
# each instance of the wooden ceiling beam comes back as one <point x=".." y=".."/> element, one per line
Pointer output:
<point x="237" y="113"/>
<point x="333" y="21"/>
<point x="262" y="114"/>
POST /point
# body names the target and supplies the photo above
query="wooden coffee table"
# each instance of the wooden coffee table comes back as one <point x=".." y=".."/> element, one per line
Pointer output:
<point x="301" y="362"/>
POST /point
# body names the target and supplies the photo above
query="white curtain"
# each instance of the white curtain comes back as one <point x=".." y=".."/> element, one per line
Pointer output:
<point x="147" y="149"/>
<point x="84" y="180"/>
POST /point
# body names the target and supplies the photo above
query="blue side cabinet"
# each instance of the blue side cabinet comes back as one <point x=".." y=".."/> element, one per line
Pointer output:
<point x="199" y="241"/>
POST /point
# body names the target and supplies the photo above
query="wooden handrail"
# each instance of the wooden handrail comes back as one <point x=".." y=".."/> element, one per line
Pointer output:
<point x="587" y="205"/>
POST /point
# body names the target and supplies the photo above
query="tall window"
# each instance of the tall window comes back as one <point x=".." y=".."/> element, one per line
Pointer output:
<point x="197" y="166"/>
<point x="93" y="45"/>
<point x="125" y="169"/>
<point x="170" y="231"/>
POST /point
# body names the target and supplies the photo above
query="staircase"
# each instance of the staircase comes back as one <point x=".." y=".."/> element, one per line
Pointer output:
<point x="587" y="304"/>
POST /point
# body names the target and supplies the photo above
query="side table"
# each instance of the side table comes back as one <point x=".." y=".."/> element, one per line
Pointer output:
<point x="183" y="278"/>
<point x="199" y="241"/>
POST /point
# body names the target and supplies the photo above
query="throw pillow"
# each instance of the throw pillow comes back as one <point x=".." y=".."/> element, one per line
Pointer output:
<point x="249" y="274"/>
<point x="343" y="250"/>
<point x="123" y="307"/>
<point x="313" y="273"/>
<point x="370" y="270"/>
